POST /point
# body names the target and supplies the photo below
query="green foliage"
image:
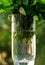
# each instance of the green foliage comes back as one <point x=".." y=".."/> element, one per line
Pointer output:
<point x="5" y="5"/>
<point x="42" y="1"/>
<point x="5" y="33"/>
<point x="25" y="2"/>
<point x="25" y="6"/>
<point x="6" y="2"/>
<point x="1" y="10"/>
<point x="40" y="40"/>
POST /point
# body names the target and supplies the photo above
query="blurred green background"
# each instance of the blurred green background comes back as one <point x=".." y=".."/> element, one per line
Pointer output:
<point x="5" y="39"/>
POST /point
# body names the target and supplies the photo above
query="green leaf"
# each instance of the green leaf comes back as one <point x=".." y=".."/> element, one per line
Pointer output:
<point x="25" y="2"/>
<point x="1" y="10"/>
<point x="22" y="11"/>
<point x="35" y="1"/>
<point x="6" y="2"/>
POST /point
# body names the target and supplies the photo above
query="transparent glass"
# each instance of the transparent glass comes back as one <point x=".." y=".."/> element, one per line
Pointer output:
<point x="23" y="39"/>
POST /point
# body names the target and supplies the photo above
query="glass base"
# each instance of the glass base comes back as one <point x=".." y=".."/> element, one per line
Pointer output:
<point x="21" y="63"/>
<point x="25" y="63"/>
